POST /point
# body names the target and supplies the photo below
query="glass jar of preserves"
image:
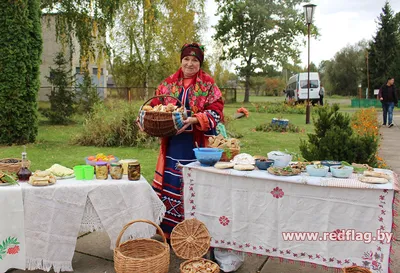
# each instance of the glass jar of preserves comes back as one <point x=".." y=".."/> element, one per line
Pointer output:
<point x="101" y="170"/>
<point x="116" y="170"/>
<point x="134" y="170"/>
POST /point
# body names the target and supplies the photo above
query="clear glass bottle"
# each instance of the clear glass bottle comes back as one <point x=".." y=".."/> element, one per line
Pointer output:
<point x="24" y="173"/>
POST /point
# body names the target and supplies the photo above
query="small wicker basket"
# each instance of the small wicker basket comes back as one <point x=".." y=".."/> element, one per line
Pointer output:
<point x="190" y="240"/>
<point x="161" y="124"/>
<point x="142" y="255"/>
<point x="226" y="157"/>
<point x="356" y="269"/>
<point x="12" y="167"/>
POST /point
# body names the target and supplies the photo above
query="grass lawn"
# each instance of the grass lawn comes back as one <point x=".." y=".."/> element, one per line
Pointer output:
<point x="53" y="143"/>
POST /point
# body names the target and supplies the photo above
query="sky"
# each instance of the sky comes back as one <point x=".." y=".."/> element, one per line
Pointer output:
<point x="340" y="22"/>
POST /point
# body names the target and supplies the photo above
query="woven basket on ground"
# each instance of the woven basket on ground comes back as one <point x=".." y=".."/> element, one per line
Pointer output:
<point x="161" y="124"/>
<point x="12" y="167"/>
<point x="226" y="157"/>
<point x="190" y="240"/>
<point x="142" y="255"/>
<point x="356" y="269"/>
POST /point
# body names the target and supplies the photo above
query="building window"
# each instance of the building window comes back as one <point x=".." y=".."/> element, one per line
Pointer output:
<point x="96" y="70"/>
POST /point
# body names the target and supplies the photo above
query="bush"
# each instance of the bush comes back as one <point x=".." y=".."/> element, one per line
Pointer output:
<point x="273" y="127"/>
<point x="278" y="107"/>
<point x="113" y="124"/>
<point x="334" y="139"/>
<point x="20" y="58"/>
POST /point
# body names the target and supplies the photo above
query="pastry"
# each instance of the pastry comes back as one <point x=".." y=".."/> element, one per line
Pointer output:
<point x="373" y="180"/>
<point x="243" y="158"/>
<point x="377" y="174"/>
<point x="224" y="165"/>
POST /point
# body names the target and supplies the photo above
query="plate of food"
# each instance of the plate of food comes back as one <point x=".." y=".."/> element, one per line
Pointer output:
<point x="7" y="179"/>
<point x="285" y="171"/>
<point x="61" y="172"/>
<point x="42" y="178"/>
<point x="300" y="165"/>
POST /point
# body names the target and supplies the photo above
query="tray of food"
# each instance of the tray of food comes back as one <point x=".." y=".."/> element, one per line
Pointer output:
<point x="285" y="171"/>
<point x="7" y="179"/>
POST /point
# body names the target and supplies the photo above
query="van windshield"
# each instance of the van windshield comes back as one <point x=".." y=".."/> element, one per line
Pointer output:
<point x="313" y="84"/>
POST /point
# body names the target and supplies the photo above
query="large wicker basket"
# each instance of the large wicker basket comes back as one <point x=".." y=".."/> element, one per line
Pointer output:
<point x="12" y="167"/>
<point x="142" y="255"/>
<point x="190" y="240"/>
<point x="161" y="124"/>
<point x="356" y="269"/>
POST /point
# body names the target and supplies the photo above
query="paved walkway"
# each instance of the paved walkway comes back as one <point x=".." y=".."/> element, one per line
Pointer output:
<point x="93" y="255"/>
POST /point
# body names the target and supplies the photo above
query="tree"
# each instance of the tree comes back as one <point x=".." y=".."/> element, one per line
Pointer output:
<point x="347" y="69"/>
<point x="259" y="33"/>
<point x="148" y="37"/>
<point x="87" y="94"/>
<point x="274" y="86"/>
<point x="62" y="96"/>
<point x="20" y="57"/>
<point x="384" y="51"/>
<point x="313" y="68"/>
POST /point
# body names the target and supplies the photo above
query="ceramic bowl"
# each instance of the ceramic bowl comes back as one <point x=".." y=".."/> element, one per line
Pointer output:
<point x="320" y="172"/>
<point x="341" y="171"/>
<point x="264" y="164"/>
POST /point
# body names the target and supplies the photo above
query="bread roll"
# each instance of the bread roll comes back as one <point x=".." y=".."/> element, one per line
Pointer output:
<point x="147" y="108"/>
<point x="224" y="165"/>
<point x="244" y="167"/>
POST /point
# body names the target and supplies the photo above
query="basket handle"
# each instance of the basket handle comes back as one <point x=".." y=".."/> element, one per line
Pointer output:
<point x="161" y="96"/>
<point x="159" y="230"/>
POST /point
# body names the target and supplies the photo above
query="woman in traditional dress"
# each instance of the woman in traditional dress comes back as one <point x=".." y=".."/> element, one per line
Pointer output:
<point x="203" y="101"/>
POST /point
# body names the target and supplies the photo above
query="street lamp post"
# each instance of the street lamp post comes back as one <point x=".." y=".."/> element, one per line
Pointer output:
<point x="309" y="13"/>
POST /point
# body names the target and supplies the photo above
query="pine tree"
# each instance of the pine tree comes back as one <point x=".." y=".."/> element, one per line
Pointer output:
<point x="384" y="52"/>
<point x="62" y="95"/>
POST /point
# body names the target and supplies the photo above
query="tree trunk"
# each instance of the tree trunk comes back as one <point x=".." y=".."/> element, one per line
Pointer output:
<point x="247" y="89"/>
<point x="146" y="85"/>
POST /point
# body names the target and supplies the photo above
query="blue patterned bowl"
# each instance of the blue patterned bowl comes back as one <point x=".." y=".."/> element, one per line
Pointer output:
<point x="208" y="156"/>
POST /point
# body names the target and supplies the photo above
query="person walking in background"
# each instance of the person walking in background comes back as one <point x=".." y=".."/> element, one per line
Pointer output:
<point x="388" y="97"/>
<point x="321" y="95"/>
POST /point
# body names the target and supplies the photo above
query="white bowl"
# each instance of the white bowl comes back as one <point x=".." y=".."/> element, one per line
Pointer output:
<point x="281" y="160"/>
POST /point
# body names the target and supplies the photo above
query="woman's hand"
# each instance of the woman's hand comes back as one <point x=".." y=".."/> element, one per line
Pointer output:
<point x="187" y="122"/>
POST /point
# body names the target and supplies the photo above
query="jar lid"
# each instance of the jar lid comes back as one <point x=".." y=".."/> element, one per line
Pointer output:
<point x="115" y="164"/>
<point x="101" y="163"/>
<point x="133" y="163"/>
<point x="127" y="160"/>
<point x="190" y="239"/>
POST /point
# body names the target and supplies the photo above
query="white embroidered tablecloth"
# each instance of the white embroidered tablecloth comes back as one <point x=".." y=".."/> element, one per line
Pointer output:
<point x="54" y="215"/>
<point x="288" y="217"/>
<point x="12" y="237"/>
